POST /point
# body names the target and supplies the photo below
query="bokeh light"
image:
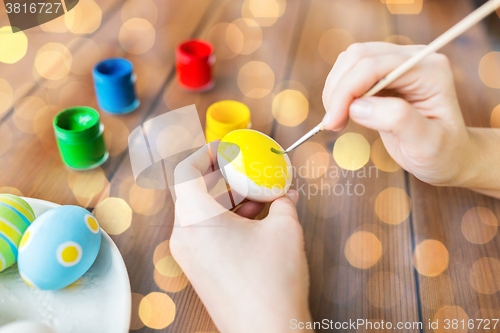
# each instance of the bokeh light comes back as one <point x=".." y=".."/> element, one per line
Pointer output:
<point x="89" y="187"/>
<point x="116" y="135"/>
<point x="57" y="25"/>
<point x="479" y="225"/>
<point x="311" y="160"/>
<point x="146" y="201"/>
<point x="382" y="290"/>
<point x="393" y="205"/>
<point x="252" y="36"/>
<point x="451" y="313"/>
<point x="157" y="310"/>
<point x="168" y="275"/>
<point x="381" y="158"/>
<point x="25" y="111"/>
<point x="53" y="61"/>
<point x="83" y="62"/>
<point x="256" y="79"/>
<point x="485" y="275"/>
<point x="137" y="36"/>
<point x="405" y="7"/>
<point x="135" y="321"/>
<point x="114" y="215"/>
<point x="5" y="138"/>
<point x="13" y="46"/>
<point x="399" y="39"/>
<point x="84" y="18"/>
<point x="495" y="117"/>
<point x="332" y="43"/>
<point x="430" y="258"/>
<point x="489" y="70"/>
<point x="290" y="107"/>
<point x="227" y="40"/>
<point x="145" y="9"/>
<point x="342" y="284"/>
<point x="351" y="151"/>
<point x="438" y="291"/>
<point x="6" y="96"/>
<point x="76" y="93"/>
<point x="11" y="190"/>
<point x="363" y="249"/>
<point x="264" y="12"/>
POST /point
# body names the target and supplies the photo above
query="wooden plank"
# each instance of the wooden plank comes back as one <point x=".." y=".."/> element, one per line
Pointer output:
<point x="276" y="44"/>
<point x="340" y="290"/>
<point x="440" y="213"/>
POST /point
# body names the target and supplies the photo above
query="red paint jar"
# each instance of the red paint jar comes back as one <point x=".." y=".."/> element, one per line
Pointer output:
<point x="194" y="61"/>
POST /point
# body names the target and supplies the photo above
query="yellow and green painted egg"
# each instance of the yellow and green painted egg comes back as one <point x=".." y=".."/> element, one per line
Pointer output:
<point x="15" y="217"/>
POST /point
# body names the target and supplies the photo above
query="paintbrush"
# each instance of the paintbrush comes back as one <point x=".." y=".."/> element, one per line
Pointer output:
<point x="455" y="31"/>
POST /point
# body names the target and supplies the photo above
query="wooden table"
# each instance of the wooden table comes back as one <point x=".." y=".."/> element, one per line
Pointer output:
<point x="362" y="249"/>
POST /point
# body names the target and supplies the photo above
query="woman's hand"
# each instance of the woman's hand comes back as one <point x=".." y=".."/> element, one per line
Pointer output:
<point x="251" y="275"/>
<point x="421" y="125"/>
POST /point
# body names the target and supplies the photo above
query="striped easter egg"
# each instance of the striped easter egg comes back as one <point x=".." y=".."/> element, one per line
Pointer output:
<point x="15" y="216"/>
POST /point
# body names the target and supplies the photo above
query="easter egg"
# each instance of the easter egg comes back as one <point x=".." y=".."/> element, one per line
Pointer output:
<point x="59" y="247"/>
<point x="15" y="216"/>
<point x="251" y="168"/>
<point x="25" y="327"/>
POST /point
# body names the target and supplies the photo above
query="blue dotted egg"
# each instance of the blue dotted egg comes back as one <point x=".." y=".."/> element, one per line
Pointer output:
<point x="59" y="247"/>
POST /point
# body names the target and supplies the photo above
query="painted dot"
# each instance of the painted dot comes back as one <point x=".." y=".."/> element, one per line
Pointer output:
<point x="381" y="158"/>
<point x="393" y="205"/>
<point x="69" y="254"/>
<point x="92" y="224"/>
<point x="485" y="276"/>
<point x="290" y="107"/>
<point x="452" y="314"/>
<point x="157" y="310"/>
<point x="363" y="249"/>
<point x="479" y="225"/>
<point x="13" y="46"/>
<point x="351" y="151"/>
<point x="431" y="258"/>
<point x="114" y="215"/>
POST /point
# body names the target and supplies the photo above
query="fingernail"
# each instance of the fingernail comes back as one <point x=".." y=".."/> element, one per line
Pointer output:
<point x="327" y="119"/>
<point x="360" y="108"/>
<point x="293" y="195"/>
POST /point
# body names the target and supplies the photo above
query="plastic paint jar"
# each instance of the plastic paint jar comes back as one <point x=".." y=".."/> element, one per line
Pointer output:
<point x="224" y="117"/>
<point x="79" y="136"/>
<point x="194" y="61"/>
<point x="114" y="85"/>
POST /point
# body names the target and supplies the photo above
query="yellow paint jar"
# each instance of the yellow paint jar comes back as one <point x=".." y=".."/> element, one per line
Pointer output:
<point x="224" y="117"/>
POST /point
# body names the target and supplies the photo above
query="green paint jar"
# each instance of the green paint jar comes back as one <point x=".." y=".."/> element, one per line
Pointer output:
<point x="79" y="136"/>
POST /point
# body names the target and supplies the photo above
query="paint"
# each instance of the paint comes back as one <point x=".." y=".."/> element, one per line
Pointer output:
<point x="249" y="152"/>
<point x="114" y="85"/>
<point x="194" y="62"/>
<point x="224" y="117"/>
<point x="80" y="139"/>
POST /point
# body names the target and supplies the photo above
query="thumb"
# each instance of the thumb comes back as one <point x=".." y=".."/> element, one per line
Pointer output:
<point x="285" y="206"/>
<point x="390" y="114"/>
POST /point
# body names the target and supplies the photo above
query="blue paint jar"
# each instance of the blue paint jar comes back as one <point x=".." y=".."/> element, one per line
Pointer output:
<point x="114" y="85"/>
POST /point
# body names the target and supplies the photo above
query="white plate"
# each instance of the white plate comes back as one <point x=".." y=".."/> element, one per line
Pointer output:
<point x="100" y="301"/>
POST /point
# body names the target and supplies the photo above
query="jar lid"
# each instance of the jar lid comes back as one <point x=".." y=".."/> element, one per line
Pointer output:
<point x="77" y="124"/>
